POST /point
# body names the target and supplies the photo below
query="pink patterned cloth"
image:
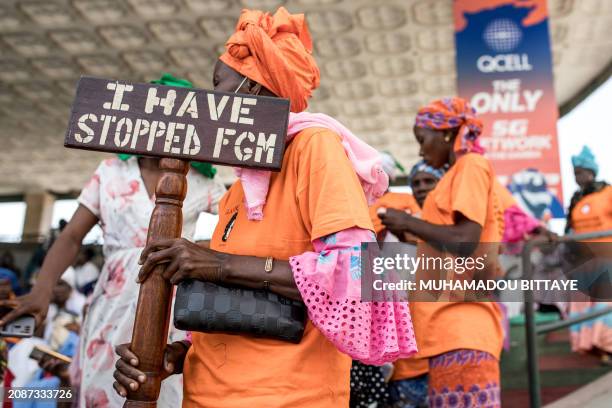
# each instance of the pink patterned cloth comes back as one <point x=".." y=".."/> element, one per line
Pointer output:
<point x="364" y="158"/>
<point x="329" y="281"/>
<point x="517" y="224"/>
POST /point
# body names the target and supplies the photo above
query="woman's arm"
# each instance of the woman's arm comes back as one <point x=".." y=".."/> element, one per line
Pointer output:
<point x="187" y="260"/>
<point x="61" y="255"/>
<point x="64" y="250"/>
<point x="460" y="238"/>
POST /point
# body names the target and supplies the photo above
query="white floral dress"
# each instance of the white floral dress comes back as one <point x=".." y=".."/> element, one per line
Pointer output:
<point x="116" y="194"/>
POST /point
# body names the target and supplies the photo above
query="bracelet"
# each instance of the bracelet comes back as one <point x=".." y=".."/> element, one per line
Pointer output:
<point x="220" y="274"/>
<point x="268" y="268"/>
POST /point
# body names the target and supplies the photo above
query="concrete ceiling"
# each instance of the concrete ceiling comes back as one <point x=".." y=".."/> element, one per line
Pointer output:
<point x="379" y="61"/>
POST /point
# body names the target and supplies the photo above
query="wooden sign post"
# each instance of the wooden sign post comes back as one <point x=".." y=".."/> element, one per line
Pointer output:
<point x="178" y="125"/>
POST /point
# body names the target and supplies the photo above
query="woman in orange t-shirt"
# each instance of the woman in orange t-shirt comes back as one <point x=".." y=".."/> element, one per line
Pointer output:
<point x="590" y="211"/>
<point x="462" y="341"/>
<point x="296" y="232"/>
<point x="591" y="206"/>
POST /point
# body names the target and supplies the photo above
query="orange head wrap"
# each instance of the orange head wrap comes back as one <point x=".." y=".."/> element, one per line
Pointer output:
<point x="276" y="52"/>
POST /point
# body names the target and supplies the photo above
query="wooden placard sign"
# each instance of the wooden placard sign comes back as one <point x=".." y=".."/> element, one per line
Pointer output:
<point x="177" y="125"/>
<point x="189" y="124"/>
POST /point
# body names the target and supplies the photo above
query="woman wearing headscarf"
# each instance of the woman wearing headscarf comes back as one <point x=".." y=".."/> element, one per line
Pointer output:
<point x="422" y="179"/>
<point x="590" y="210"/>
<point x="408" y="387"/>
<point x="461" y="211"/>
<point x="120" y="197"/>
<point x="306" y="224"/>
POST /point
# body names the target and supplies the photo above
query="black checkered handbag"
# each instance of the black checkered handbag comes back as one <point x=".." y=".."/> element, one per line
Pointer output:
<point x="211" y="308"/>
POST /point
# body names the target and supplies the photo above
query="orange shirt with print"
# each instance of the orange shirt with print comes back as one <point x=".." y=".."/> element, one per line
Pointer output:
<point x="594" y="213"/>
<point x="467" y="188"/>
<point x="397" y="201"/>
<point x="316" y="193"/>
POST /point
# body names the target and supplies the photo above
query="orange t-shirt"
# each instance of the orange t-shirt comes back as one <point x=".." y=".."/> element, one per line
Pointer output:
<point x="398" y="201"/>
<point x="467" y="188"/>
<point x="316" y="193"/>
<point x="594" y="213"/>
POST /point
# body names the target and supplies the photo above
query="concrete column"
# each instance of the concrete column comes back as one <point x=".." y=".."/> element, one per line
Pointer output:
<point x="39" y="211"/>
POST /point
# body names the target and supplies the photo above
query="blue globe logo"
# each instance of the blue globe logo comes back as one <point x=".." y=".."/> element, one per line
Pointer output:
<point x="502" y="35"/>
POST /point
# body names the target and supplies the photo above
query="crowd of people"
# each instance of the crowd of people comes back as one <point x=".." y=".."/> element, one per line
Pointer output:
<point x="296" y="233"/>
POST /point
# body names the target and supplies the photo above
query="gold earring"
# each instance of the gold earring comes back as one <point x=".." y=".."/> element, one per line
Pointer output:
<point x="447" y="139"/>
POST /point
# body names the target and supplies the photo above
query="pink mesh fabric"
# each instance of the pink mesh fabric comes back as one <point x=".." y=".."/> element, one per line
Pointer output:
<point x="330" y="284"/>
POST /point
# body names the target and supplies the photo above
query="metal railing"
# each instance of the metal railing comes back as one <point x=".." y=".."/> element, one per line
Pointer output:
<point x="531" y="329"/>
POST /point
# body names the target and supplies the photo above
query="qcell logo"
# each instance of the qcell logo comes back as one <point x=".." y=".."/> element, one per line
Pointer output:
<point x="502" y="35"/>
